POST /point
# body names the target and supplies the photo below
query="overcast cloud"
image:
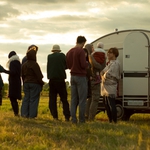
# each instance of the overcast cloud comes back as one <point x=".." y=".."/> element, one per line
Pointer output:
<point x="48" y="22"/>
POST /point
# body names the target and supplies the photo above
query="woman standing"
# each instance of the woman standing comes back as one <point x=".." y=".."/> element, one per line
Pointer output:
<point x="110" y="77"/>
<point x="32" y="84"/>
<point x="14" y="79"/>
<point x="92" y="102"/>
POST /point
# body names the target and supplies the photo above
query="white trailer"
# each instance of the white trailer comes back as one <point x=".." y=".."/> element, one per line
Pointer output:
<point x="134" y="57"/>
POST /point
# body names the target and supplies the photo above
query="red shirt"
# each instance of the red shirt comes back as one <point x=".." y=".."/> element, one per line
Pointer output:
<point x="76" y="61"/>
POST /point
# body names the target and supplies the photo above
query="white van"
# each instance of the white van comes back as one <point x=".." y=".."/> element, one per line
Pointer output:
<point x="134" y="57"/>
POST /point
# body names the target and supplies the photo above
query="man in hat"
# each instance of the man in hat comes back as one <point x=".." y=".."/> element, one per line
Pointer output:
<point x="56" y="65"/>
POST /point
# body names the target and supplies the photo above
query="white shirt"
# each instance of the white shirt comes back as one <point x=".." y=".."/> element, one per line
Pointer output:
<point x="110" y="77"/>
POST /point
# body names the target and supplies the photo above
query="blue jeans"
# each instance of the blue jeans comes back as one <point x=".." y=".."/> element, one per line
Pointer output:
<point x="30" y="102"/>
<point x="78" y="97"/>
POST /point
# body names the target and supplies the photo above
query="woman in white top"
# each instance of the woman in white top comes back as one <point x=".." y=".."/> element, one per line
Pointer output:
<point x="110" y="76"/>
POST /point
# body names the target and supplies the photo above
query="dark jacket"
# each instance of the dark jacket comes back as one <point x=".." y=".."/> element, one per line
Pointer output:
<point x="56" y="65"/>
<point x="1" y="82"/>
<point x="14" y="79"/>
<point x="31" y="72"/>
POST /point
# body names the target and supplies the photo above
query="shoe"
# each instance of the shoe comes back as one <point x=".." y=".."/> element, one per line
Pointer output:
<point x="56" y="119"/>
<point x="16" y="115"/>
<point x="67" y="119"/>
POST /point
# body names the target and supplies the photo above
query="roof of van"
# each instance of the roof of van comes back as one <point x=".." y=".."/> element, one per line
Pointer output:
<point x="121" y="31"/>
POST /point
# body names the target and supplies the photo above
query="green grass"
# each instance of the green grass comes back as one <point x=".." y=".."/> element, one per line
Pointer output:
<point x="43" y="133"/>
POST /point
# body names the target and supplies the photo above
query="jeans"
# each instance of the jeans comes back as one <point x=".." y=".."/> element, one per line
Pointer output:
<point x="30" y="102"/>
<point x="110" y="106"/>
<point x="58" y="87"/>
<point x="78" y="97"/>
<point x="92" y="103"/>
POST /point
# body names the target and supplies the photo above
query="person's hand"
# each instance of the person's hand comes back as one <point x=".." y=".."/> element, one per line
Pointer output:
<point x="1" y="69"/>
<point x="91" y="78"/>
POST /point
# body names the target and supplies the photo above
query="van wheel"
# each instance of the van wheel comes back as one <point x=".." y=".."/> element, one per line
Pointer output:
<point x="98" y="111"/>
<point x="120" y="111"/>
<point x="127" y="115"/>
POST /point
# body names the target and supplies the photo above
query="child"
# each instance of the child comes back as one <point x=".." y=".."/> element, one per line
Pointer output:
<point x="99" y="55"/>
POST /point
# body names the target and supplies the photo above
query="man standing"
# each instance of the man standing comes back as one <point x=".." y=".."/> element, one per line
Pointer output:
<point x="56" y="65"/>
<point x="76" y="62"/>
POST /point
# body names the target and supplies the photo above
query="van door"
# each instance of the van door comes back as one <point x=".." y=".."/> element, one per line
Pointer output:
<point x="136" y="78"/>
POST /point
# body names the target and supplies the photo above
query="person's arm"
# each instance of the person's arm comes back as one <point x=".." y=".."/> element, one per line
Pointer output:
<point x="116" y="71"/>
<point x="3" y="70"/>
<point x="69" y="60"/>
<point x="47" y="68"/>
<point x="38" y="73"/>
<point x="95" y="64"/>
<point x="113" y="71"/>
<point x="82" y="59"/>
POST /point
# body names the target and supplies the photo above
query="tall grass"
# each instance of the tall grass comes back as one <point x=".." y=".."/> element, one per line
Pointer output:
<point x="43" y="133"/>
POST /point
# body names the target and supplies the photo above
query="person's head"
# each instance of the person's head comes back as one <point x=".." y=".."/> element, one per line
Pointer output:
<point x="31" y="55"/>
<point x="81" y="41"/>
<point x="12" y="53"/>
<point x="112" y="53"/>
<point x="56" y="48"/>
<point x="100" y="45"/>
<point x="89" y="48"/>
<point x="32" y="47"/>
<point x="31" y="52"/>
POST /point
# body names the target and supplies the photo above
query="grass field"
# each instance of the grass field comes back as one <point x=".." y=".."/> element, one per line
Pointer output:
<point x="43" y="133"/>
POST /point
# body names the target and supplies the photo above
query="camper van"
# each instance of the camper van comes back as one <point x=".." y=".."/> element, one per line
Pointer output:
<point x="134" y="58"/>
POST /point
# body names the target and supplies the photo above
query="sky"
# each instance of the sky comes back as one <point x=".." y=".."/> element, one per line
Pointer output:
<point x="48" y="22"/>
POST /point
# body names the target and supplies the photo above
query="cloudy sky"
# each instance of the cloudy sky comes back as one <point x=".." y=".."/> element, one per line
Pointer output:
<point x="48" y="22"/>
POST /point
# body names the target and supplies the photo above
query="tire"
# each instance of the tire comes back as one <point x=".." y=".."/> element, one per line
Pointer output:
<point x="127" y="115"/>
<point x="120" y="111"/>
<point x="98" y="111"/>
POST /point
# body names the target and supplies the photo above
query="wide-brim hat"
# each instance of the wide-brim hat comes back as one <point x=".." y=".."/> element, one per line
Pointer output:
<point x="56" y="48"/>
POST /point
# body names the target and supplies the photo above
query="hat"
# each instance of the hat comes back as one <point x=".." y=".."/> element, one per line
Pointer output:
<point x="32" y="47"/>
<point x="100" y="45"/>
<point x="56" y="48"/>
<point x="11" y="54"/>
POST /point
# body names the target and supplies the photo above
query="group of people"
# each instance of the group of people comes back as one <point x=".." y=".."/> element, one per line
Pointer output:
<point x="90" y="76"/>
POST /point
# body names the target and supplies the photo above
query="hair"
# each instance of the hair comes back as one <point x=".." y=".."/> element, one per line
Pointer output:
<point x="32" y="47"/>
<point x="100" y="45"/>
<point x="12" y="53"/>
<point x="89" y="48"/>
<point x="114" y="50"/>
<point x="86" y="51"/>
<point x="81" y="39"/>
